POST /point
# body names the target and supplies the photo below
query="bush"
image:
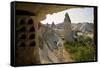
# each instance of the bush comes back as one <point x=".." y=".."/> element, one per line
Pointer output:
<point x="81" y="50"/>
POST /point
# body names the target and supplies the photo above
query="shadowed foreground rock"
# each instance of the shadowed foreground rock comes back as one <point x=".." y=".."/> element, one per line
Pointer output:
<point x="34" y="44"/>
<point x="51" y="49"/>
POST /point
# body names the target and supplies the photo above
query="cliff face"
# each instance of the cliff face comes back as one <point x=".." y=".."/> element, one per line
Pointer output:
<point x="51" y="49"/>
<point x="83" y="27"/>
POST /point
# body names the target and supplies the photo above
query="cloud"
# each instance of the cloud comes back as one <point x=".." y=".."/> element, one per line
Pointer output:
<point x="76" y="15"/>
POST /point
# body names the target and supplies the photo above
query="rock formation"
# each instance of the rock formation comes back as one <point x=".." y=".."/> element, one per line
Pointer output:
<point x="51" y="49"/>
<point x="53" y="25"/>
<point x="83" y="27"/>
<point x="67" y="28"/>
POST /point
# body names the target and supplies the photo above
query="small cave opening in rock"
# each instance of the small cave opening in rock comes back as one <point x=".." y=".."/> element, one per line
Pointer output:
<point x="22" y="44"/>
<point x="22" y="22"/>
<point x="32" y="36"/>
<point x="30" y="22"/>
<point x="32" y="29"/>
<point x="23" y="36"/>
<point x="32" y="43"/>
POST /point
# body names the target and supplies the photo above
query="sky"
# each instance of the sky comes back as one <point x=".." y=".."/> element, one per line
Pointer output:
<point x="77" y="15"/>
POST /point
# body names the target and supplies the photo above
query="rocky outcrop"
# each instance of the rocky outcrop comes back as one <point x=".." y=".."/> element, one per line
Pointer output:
<point x="53" y="26"/>
<point x="51" y="49"/>
<point x="83" y="27"/>
<point x="67" y="28"/>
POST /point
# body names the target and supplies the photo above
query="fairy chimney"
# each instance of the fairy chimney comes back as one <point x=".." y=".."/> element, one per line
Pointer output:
<point x="67" y="28"/>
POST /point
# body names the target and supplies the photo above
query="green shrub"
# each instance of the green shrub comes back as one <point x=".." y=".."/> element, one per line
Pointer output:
<point x="81" y="50"/>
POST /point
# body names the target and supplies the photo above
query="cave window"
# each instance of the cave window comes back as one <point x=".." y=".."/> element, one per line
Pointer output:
<point x="32" y="36"/>
<point x="22" y="22"/>
<point x="33" y="43"/>
<point x="22" y="44"/>
<point x="30" y="21"/>
<point x="23" y="36"/>
<point x="32" y="29"/>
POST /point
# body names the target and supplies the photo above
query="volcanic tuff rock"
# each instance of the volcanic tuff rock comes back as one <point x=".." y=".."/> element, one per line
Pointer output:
<point x="82" y="27"/>
<point x="51" y="49"/>
<point x="67" y="28"/>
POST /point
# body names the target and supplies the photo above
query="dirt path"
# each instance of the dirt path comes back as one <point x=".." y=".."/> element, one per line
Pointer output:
<point x="67" y="56"/>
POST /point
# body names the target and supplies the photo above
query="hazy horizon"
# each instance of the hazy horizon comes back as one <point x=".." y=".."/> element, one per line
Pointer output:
<point x="77" y="15"/>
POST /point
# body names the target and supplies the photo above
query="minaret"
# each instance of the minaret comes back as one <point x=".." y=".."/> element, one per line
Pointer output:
<point x="67" y="28"/>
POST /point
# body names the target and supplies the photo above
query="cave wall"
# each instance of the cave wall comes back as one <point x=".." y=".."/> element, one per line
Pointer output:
<point x="27" y="53"/>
